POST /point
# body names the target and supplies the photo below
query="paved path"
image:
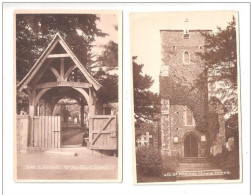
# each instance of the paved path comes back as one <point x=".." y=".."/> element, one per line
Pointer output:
<point x="66" y="166"/>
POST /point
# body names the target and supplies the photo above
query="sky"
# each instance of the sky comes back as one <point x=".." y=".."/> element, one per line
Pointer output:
<point x="107" y="24"/>
<point x="145" y="34"/>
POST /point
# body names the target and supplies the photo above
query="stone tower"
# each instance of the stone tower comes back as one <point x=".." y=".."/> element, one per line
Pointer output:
<point x="183" y="108"/>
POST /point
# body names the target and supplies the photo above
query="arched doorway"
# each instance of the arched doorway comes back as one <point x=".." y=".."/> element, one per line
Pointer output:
<point x="72" y="108"/>
<point x="190" y="146"/>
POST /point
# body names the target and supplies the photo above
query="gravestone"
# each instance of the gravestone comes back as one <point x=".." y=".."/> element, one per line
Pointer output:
<point x="215" y="150"/>
<point x="144" y="140"/>
<point x="231" y="144"/>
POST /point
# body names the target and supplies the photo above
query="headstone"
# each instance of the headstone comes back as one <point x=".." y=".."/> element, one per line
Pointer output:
<point x="75" y="120"/>
<point x="216" y="149"/>
<point x="211" y="150"/>
<point x="144" y="140"/>
<point x="231" y="144"/>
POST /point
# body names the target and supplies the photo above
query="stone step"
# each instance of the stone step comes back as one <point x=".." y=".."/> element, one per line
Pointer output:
<point x="193" y="160"/>
<point x="192" y="169"/>
<point x="197" y="165"/>
<point x="197" y="169"/>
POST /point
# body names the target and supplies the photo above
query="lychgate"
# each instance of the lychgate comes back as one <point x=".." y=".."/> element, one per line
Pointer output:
<point x="51" y="79"/>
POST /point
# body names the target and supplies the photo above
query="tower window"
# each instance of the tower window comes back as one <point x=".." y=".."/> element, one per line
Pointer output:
<point x="189" y="120"/>
<point x="186" y="57"/>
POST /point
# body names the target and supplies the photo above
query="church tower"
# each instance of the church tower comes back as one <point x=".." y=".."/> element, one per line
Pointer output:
<point x="183" y="107"/>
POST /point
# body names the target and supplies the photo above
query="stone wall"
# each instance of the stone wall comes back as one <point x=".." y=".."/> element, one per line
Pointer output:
<point x="22" y="130"/>
<point x="180" y="131"/>
<point x="173" y="47"/>
<point x="173" y="125"/>
<point x="165" y="127"/>
<point x="177" y="80"/>
<point x="176" y="90"/>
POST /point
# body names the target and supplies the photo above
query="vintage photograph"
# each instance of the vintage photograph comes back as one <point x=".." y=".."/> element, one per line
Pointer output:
<point x="68" y="112"/>
<point x="186" y="97"/>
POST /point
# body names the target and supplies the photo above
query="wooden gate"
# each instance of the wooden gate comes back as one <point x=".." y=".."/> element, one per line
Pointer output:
<point x="46" y="132"/>
<point x="103" y="130"/>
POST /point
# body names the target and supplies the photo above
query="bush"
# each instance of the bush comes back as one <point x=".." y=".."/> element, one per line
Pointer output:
<point x="227" y="161"/>
<point x="148" y="161"/>
<point x="169" y="164"/>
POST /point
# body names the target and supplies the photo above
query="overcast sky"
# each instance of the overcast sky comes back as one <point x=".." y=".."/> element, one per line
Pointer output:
<point x="145" y="34"/>
<point x="107" y="24"/>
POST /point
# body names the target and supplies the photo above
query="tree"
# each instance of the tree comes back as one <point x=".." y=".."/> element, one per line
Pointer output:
<point x="220" y="57"/>
<point x="107" y="74"/>
<point x="232" y="128"/>
<point x="144" y="127"/>
<point x="109" y="57"/>
<point x="35" y="31"/>
<point x="146" y="103"/>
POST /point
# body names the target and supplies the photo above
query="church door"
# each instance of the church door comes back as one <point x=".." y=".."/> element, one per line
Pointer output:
<point x="190" y="146"/>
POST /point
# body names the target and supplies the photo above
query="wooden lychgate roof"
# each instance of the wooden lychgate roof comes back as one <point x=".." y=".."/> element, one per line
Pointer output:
<point x="47" y="55"/>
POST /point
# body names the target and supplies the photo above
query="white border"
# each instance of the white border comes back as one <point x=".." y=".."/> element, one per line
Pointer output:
<point x="127" y="187"/>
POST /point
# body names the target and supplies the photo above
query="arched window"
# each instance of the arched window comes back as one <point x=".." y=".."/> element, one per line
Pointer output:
<point x="189" y="120"/>
<point x="186" y="57"/>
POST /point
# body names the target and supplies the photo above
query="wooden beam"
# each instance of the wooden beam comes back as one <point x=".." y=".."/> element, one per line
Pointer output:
<point x="62" y="69"/>
<point x="37" y="65"/>
<point x="62" y="55"/>
<point x="85" y="94"/>
<point x="69" y="72"/>
<point x="87" y="75"/>
<point x="27" y="87"/>
<point x="38" y="77"/>
<point x="55" y="72"/>
<point x="39" y="95"/>
<point x="62" y="84"/>
<point x="103" y="128"/>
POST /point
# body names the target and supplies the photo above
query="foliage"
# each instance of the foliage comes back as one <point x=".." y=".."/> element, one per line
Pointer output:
<point x="22" y="102"/>
<point x="146" y="103"/>
<point x="109" y="57"/>
<point x="79" y="31"/>
<point x="169" y="164"/>
<point x="64" y="112"/>
<point x="220" y="57"/>
<point x="213" y="126"/>
<point x="232" y="129"/>
<point x="180" y="94"/>
<point x="107" y="64"/>
<point x="35" y="31"/>
<point x="144" y="127"/>
<point x="227" y="161"/>
<point x="148" y="161"/>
